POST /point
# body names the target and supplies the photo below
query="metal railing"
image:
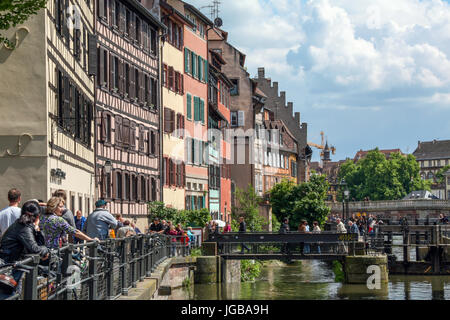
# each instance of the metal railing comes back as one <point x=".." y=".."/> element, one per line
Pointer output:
<point x="395" y="204"/>
<point x="101" y="270"/>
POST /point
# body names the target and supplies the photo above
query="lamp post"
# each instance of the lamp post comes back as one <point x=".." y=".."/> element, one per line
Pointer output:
<point x="345" y="194"/>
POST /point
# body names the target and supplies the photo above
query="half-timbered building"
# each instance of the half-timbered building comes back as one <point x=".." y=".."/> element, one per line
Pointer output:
<point x="128" y="107"/>
<point x="47" y="90"/>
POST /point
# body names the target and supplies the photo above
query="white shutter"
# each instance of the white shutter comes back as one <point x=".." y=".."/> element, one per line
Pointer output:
<point x="241" y="118"/>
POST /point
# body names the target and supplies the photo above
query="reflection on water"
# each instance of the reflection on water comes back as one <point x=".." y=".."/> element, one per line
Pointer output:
<point x="315" y="280"/>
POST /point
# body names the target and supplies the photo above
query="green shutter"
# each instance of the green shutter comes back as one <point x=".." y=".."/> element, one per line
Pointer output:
<point x="189" y="106"/>
<point x="200" y="64"/>
<point x="193" y="60"/>
<point x="203" y="202"/>
<point x="196" y="109"/>
<point x="202" y="111"/>
<point x="206" y="71"/>
<point x="192" y="203"/>
<point x="186" y="60"/>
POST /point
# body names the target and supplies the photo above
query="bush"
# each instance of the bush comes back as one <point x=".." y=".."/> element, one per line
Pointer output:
<point x="250" y="270"/>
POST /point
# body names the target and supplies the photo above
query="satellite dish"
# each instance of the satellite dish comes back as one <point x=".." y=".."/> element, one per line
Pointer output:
<point x="218" y="22"/>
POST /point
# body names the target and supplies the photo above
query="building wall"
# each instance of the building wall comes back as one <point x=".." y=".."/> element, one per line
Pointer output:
<point x="128" y="160"/>
<point x="67" y="152"/>
<point x="276" y="102"/>
<point x="29" y="91"/>
<point x="196" y="175"/>
<point x="173" y="146"/>
<point x="23" y="104"/>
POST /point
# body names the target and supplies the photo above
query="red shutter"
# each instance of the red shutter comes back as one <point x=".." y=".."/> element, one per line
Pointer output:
<point x="114" y="184"/>
<point x="150" y="189"/>
<point x="133" y="135"/>
<point x="126" y="132"/>
<point x="121" y="77"/>
<point x="111" y="72"/>
<point x="171" y="78"/>
<point x="132" y="83"/>
<point x="103" y="133"/>
<point x="167" y="120"/>
<point x="172" y="125"/>
<point x="167" y="163"/>
<point x="183" y="174"/>
<point x="118" y="131"/>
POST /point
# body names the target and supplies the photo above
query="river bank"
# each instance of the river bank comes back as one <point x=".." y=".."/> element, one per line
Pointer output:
<point x="315" y="280"/>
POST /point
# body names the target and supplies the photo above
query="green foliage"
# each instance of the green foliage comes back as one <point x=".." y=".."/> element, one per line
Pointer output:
<point x="440" y="178"/>
<point x="186" y="217"/>
<point x="186" y="283"/>
<point x="196" y="252"/>
<point x="248" y="207"/>
<point x="339" y="275"/>
<point x="377" y="178"/>
<point x="305" y="201"/>
<point x="276" y="224"/>
<point x="250" y="270"/>
<point x="15" y="12"/>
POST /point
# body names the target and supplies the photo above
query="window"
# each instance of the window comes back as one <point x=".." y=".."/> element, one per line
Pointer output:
<point x="118" y="185"/>
<point x="235" y="90"/>
<point x="137" y="38"/>
<point x="169" y="120"/>
<point x="102" y="67"/>
<point x="143" y="189"/>
<point x="127" y="23"/>
<point x="187" y="61"/>
<point x="293" y="169"/>
<point x="234" y="118"/>
<point x="77" y="44"/>
<point x="127" y="80"/>
<point x="114" y="73"/>
<point x="103" y="9"/>
<point x="430" y="175"/>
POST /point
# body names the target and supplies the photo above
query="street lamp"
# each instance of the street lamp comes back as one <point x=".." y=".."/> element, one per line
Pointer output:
<point x="345" y="196"/>
<point x="108" y="167"/>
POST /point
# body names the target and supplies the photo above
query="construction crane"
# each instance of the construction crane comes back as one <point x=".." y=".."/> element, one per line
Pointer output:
<point x="325" y="153"/>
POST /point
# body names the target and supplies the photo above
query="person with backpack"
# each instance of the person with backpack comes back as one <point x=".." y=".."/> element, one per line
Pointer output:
<point x="22" y="237"/>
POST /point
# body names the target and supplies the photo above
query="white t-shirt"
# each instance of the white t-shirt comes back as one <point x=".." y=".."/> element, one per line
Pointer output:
<point x="7" y="217"/>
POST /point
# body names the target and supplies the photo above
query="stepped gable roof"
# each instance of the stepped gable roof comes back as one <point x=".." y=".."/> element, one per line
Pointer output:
<point x="433" y="150"/>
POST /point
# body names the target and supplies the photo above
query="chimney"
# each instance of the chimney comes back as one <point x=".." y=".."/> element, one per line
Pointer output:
<point x="261" y="73"/>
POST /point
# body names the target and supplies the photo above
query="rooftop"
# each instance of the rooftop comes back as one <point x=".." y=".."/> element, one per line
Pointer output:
<point x="435" y="149"/>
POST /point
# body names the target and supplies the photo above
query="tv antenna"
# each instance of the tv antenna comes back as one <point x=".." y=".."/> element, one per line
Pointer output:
<point x="214" y="12"/>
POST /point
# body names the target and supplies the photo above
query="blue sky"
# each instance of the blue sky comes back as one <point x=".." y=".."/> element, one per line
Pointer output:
<point x="368" y="73"/>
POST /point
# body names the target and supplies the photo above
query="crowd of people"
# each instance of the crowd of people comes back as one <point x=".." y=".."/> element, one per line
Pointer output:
<point x="360" y="224"/>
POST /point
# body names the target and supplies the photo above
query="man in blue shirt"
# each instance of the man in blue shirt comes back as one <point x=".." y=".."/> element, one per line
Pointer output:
<point x="11" y="213"/>
<point x="79" y="223"/>
<point x="100" y="221"/>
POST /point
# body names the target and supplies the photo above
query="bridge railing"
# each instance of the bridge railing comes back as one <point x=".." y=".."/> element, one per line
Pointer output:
<point x="297" y="245"/>
<point x="101" y="270"/>
<point x="391" y="205"/>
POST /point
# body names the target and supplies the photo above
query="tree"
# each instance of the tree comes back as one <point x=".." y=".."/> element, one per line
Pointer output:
<point x="248" y="207"/>
<point x="440" y="175"/>
<point x="15" y="12"/>
<point x="378" y="178"/>
<point x="297" y="202"/>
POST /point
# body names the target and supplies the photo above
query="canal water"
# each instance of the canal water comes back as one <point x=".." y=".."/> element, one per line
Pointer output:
<point x="315" y="280"/>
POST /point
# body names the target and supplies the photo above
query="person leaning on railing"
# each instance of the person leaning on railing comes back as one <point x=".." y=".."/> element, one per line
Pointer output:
<point x="23" y="236"/>
<point x="100" y="221"/>
<point x="54" y="226"/>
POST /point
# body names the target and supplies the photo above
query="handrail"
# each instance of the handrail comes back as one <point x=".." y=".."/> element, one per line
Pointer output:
<point x="107" y="270"/>
<point x="392" y="204"/>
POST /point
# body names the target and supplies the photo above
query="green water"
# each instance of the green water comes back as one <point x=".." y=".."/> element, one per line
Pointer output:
<point x="315" y="280"/>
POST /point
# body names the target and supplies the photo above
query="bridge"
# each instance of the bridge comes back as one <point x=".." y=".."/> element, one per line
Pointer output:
<point x="413" y="209"/>
<point x="289" y="246"/>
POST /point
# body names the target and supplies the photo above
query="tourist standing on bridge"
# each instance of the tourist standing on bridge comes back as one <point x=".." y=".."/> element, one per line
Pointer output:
<point x="67" y="214"/>
<point x="23" y="236"/>
<point x="12" y="212"/>
<point x="242" y="229"/>
<point x="304" y="228"/>
<point x="284" y="228"/>
<point x="353" y="228"/>
<point x="100" y="221"/>
<point x="79" y="223"/>
<point x="340" y="228"/>
<point x="316" y="229"/>
<point x="54" y="226"/>
<point x="156" y="226"/>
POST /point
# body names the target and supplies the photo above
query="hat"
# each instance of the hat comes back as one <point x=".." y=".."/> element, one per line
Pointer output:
<point x="100" y="203"/>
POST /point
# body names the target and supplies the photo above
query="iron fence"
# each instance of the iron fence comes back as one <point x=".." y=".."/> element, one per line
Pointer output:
<point x="102" y="270"/>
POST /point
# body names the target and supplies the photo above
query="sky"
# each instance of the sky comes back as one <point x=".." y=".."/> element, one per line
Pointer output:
<point x="369" y="73"/>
